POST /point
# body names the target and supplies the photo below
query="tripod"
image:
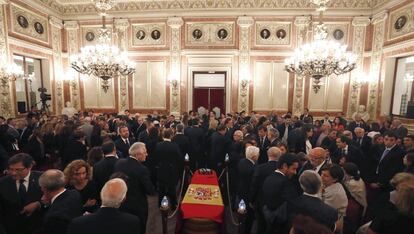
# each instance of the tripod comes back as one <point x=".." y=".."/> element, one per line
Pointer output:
<point x="45" y="107"/>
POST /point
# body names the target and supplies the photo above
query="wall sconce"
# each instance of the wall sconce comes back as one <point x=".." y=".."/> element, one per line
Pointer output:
<point x="360" y="80"/>
<point x="10" y="72"/>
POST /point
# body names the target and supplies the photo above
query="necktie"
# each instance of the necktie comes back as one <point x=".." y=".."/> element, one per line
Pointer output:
<point x="127" y="142"/>
<point x="386" y="151"/>
<point x="22" y="191"/>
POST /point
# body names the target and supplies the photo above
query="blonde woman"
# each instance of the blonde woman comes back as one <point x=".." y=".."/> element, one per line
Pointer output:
<point x="78" y="176"/>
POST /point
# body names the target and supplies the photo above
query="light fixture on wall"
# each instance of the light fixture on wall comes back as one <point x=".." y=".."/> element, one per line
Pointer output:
<point x="322" y="57"/>
<point x="103" y="60"/>
<point x="10" y="72"/>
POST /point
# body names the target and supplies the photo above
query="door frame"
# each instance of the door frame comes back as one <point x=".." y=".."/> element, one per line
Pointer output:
<point x="210" y="72"/>
<point x="190" y="82"/>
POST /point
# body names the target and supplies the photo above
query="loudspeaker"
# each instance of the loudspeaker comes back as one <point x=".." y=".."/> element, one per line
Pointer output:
<point x="21" y="107"/>
<point x="410" y="110"/>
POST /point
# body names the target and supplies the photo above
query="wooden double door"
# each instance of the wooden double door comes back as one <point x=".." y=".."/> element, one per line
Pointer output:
<point x="210" y="96"/>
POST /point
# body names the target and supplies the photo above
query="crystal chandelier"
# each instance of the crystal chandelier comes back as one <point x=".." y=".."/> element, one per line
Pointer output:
<point x="322" y="57"/>
<point x="103" y="60"/>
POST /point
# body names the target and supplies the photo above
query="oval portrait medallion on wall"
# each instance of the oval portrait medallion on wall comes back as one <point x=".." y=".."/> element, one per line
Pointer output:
<point x="222" y="34"/>
<point x="400" y="22"/>
<point x="156" y="34"/>
<point x="140" y="35"/>
<point x="22" y="21"/>
<point x="265" y="33"/>
<point x="89" y="36"/>
<point x="38" y="28"/>
<point x="197" y="34"/>
<point x="281" y="34"/>
<point x="338" y="34"/>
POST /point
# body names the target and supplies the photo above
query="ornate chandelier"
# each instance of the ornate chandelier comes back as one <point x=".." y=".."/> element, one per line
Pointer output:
<point x="103" y="60"/>
<point x="322" y="57"/>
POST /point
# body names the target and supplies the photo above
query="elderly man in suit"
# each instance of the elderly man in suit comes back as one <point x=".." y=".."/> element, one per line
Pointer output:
<point x="20" y="196"/>
<point x="139" y="183"/>
<point x="64" y="205"/>
<point x="108" y="219"/>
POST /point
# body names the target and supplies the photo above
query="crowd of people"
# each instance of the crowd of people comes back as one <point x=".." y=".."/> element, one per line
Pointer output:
<point x="93" y="172"/>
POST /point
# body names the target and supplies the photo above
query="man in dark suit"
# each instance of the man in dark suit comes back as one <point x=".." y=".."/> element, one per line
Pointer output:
<point x="358" y="122"/>
<point x="317" y="159"/>
<point x="144" y="135"/>
<point x="108" y="219"/>
<point x="277" y="189"/>
<point x="362" y="140"/>
<point x="139" y="183"/>
<point x="262" y="143"/>
<point x="306" y="117"/>
<point x="390" y="163"/>
<point x="309" y="204"/>
<point x="103" y="169"/>
<point x="140" y="127"/>
<point x="20" y="196"/>
<point x="196" y="151"/>
<point x="285" y="128"/>
<point x="399" y="129"/>
<point x="351" y="152"/>
<point x="124" y="141"/>
<point x="65" y="205"/>
<point x="261" y="172"/>
<point x="181" y="140"/>
<point x="220" y="145"/>
<point x="170" y="164"/>
<point x="245" y="172"/>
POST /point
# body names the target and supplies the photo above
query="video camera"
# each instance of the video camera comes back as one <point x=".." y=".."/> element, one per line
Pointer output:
<point x="44" y="97"/>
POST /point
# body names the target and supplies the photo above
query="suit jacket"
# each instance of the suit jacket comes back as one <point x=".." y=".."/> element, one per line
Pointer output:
<point x="103" y="169"/>
<point x="352" y="125"/>
<point x="313" y="207"/>
<point x="24" y="136"/>
<point x="220" y="145"/>
<point x="263" y="146"/>
<point x="36" y="149"/>
<point x="72" y="151"/>
<point x="261" y="172"/>
<point x="11" y="205"/>
<point x="183" y="143"/>
<point x="401" y="132"/>
<point x="390" y="165"/>
<point x="196" y="137"/>
<point x="105" y="221"/>
<point x="245" y="173"/>
<point x="122" y="147"/>
<point x="276" y="190"/>
<point x="170" y="163"/>
<point x="66" y="207"/>
<point x="281" y="128"/>
<point x="139" y="129"/>
<point x="139" y="186"/>
<point x="365" y="145"/>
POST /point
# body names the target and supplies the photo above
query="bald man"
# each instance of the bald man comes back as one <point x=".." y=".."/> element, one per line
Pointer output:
<point x="108" y="219"/>
<point x="317" y="159"/>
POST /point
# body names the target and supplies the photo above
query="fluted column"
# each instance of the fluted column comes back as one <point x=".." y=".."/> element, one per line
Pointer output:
<point x="360" y="24"/>
<point x="245" y="24"/>
<point x="72" y="28"/>
<point x="175" y="24"/>
<point x="302" y="25"/>
<point x="121" y="26"/>
<point x="377" y="46"/>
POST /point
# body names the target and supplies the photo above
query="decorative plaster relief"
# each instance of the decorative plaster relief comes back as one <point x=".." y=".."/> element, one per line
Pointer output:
<point x="29" y="24"/>
<point x="149" y="34"/>
<point x="212" y="33"/>
<point x="273" y="33"/>
<point x="401" y="22"/>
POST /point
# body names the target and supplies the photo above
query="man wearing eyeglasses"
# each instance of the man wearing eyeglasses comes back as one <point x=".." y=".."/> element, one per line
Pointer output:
<point x="19" y="196"/>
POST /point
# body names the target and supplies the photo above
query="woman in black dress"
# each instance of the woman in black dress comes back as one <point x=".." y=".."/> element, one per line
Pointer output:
<point x="78" y="176"/>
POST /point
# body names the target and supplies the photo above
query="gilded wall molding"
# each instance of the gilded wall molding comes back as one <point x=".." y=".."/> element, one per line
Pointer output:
<point x="72" y="7"/>
<point x="6" y="109"/>
<point x="245" y="75"/>
<point x="302" y="24"/>
<point x="121" y="26"/>
<point x="175" y="23"/>
<point x="360" y="24"/>
<point x="376" y="57"/>
<point x="72" y="34"/>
